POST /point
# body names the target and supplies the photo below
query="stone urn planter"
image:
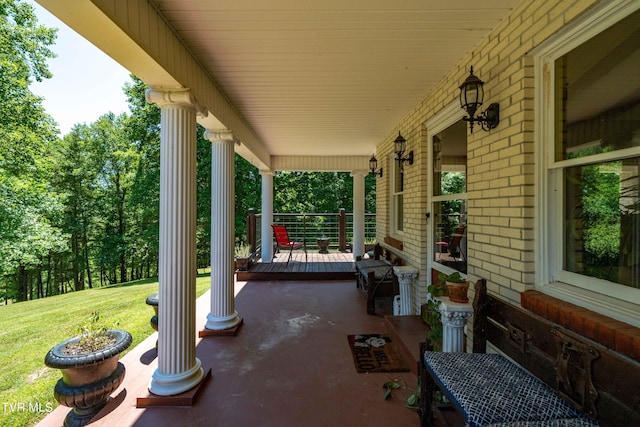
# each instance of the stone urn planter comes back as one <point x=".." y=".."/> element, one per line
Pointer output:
<point x="152" y="300"/>
<point x="323" y="244"/>
<point x="89" y="378"/>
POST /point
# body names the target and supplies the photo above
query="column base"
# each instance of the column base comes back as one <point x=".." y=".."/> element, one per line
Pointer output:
<point x="172" y="384"/>
<point x="219" y="323"/>
<point x="229" y="332"/>
<point x="187" y="398"/>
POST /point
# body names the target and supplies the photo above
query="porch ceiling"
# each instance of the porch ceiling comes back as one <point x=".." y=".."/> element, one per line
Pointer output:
<point x="329" y="77"/>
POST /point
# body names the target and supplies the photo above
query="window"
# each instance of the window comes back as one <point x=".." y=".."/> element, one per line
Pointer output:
<point x="397" y="200"/>
<point x="449" y="201"/>
<point x="590" y="193"/>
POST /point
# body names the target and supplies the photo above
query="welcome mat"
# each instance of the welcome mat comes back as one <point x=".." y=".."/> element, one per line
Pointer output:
<point x="375" y="353"/>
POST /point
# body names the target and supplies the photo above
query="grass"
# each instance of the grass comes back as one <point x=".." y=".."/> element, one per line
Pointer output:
<point x="29" y="329"/>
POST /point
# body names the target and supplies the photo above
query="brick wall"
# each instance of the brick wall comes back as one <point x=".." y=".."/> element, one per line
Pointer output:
<point x="500" y="181"/>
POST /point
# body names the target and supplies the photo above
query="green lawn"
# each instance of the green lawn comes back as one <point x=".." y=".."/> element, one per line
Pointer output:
<point x="29" y="329"/>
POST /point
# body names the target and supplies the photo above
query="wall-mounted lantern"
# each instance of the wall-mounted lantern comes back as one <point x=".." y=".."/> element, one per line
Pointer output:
<point x="373" y="166"/>
<point x="399" y="147"/>
<point x="471" y="98"/>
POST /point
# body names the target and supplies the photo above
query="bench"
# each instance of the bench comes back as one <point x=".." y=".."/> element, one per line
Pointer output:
<point x="376" y="277"/>
<point x="550" y="376"/>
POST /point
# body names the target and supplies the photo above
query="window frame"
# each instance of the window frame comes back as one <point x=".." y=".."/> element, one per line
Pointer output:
<point x="444" y="119"/>
<point x="394" y="231"/>
<point x="617" y="301"/>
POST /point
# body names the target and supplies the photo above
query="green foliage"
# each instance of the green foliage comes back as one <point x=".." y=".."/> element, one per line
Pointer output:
<point x="451" y="278"/>
<point x="432" y="315"/>
<point x="93" y="336"/>
<point x="319" y="192"/>
<point x="409" y="397"/>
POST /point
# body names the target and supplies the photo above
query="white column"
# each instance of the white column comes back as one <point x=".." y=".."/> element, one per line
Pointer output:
<point x="222" y="315"/>
<point x="405" y="274"/>
<point x="267" y="216"/>
<point x="178" y="368"/>
<point x="454" y="315"/>
<point x="358" y="213"/>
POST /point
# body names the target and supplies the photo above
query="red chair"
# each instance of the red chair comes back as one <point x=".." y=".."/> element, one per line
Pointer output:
<point x="283" y="241"/>
<point x="453" y="246"/>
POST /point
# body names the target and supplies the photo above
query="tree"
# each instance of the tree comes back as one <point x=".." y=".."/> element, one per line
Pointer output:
<point x="74" y="178"/>
<point x="143" y="132"/>
<point x="27" y="208"/>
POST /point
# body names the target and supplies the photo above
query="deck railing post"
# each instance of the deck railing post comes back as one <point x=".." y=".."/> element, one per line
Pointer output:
<point x="342" y="231"/>
<point x="251" y="229"/>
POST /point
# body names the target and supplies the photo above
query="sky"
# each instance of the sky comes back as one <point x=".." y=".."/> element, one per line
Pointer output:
<point x="86" y="83"/>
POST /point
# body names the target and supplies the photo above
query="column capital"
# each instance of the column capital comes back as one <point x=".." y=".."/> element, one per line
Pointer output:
<point x="405" y="272"/>
<point x="359" y="173"/>
<point x="454" y="314"/>
<point x="266" y="172"/>
<point x="219" y="135"/>
<point x="180" y="96"/>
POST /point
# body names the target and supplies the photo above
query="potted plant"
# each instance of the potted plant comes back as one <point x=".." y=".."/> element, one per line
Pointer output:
<point x="242" y="257"/>
<point x="457" y="287"/>
<point x="90" y="369"/>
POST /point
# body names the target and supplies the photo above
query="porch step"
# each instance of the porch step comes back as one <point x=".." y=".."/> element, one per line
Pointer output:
<point x="408" y="332"/>
<point x="245" y="276"/>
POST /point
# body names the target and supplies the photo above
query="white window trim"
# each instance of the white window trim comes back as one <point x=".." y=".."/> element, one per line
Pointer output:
<point x="621" y="302"/>
<point x="393" y="229"/>
<point x="445" y="118"/>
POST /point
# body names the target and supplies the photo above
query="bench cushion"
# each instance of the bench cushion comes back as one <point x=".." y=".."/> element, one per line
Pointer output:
<point x="560" y="422"/>
<point x="381" y="268"/>
<point x="489" y="389"/>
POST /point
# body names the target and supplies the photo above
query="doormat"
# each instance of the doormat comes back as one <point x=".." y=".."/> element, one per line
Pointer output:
<point x="375" y="353"/>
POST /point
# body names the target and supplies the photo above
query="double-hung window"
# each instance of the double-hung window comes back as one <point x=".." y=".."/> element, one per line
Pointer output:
<point x="588" y="115"/>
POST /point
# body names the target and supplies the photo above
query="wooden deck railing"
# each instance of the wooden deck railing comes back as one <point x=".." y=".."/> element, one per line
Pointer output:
<point x="307" y="227"/>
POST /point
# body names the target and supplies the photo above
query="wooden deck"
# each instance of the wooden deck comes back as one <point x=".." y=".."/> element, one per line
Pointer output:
<point x="331" y="266"/>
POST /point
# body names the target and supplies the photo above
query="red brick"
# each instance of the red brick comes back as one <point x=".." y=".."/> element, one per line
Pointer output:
<point x="527" y="299"/>
<point x="554" y="309"/>
<point x="624" y="340"/>
<point x="605" y="332"/>
<point x="636" y="348"/>
<point x="580" y="323"/>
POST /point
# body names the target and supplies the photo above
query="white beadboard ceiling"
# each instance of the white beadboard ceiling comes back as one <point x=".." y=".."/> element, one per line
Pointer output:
<point x="329" y="77"/>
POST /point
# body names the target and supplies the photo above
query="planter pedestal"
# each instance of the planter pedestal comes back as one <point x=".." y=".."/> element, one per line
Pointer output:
<point x="88" y="399"/>
<point x="87" y="379"/>
<point x="454" y="315"/>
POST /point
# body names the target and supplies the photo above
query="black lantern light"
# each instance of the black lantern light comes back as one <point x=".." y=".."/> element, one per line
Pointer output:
<point x="373" y="165"/>
<point x="471" y="98"/>
<point x="399" y="147"/>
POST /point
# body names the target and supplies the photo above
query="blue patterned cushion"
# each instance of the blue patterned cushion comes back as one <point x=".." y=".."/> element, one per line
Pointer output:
<point x="488" y="388"/>
<point x="560" y="422"/>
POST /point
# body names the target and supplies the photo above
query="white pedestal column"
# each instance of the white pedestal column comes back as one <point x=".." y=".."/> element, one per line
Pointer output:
<point x="178" y="368"/>
<point x="358" y="213"/>
<point x="267" y="216"/>
<point x="454" y="315"/>
<point x="406" y="274"/>
<point x="222" y="315"/>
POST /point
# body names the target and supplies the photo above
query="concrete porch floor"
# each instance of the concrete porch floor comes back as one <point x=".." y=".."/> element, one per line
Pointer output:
<point x="290" y="365"/>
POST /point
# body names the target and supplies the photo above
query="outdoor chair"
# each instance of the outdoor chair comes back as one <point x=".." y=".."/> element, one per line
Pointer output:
<point x="283" y="241"/>
<point x="452" y="246"/>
